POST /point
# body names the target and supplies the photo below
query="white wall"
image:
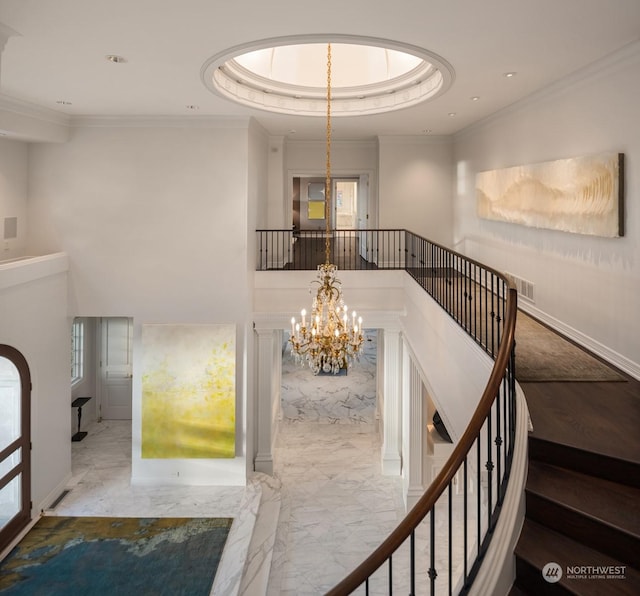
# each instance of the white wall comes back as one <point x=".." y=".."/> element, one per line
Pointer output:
<point x="585" y="285"/>
<point x="454" y="369"/>
<point x="13" y="196"/>
<point x="33" y="319"/>
<point x="155" y="222"/>
<point x="260" y="166"/>
<point x="416" y="186"/>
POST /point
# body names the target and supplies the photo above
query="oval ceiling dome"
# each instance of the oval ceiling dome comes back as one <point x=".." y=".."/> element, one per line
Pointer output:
<point x="368" y="76"/>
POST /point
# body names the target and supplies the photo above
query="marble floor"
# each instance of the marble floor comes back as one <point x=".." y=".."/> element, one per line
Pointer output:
<point x="335" y="505"/>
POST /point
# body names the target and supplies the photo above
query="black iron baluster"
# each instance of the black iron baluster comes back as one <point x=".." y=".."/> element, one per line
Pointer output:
<point x="432" y="551"/>
<point x="498" y="441"/>
<point x="465" y="499"/>
<point x="451" y="537"/>
<point x="413" y="563"/>
<point x="489" y="467"/>
<point x="479" y="493"/>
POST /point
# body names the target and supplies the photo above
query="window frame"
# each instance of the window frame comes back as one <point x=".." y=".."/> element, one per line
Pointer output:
<point x="77" y="351"/>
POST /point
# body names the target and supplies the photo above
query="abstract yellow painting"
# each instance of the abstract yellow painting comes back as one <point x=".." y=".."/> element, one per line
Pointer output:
<point x="188" y="391"/>
<point x="583" y="195"/>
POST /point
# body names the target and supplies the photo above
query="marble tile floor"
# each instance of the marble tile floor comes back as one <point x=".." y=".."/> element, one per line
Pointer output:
<point x="101" y="486"/>
<point x="335" y="507"/>
<point x="329" y="505"/>
<point x="330" y="399"/>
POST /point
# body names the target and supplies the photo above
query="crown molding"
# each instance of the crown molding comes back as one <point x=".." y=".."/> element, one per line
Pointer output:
<point x="225" y="122"/>
<point x="30" y="110"/>
<point x="415" y="139"/>
<point x="619" y="59"/>
<point x="371" y="142"/>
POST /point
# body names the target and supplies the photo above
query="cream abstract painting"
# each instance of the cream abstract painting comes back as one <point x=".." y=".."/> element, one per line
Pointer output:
<point x="188" y="391"/>
<point x="581" y="195"/>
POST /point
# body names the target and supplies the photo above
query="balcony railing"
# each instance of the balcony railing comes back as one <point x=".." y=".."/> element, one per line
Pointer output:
<point x="472" y="484"/>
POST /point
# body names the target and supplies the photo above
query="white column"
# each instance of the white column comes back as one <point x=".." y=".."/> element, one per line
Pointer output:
<point x="276" y="381"/>
<point x="263" y="461"/>
<point x="414" y="429"/>
<point x="392" y="406"/>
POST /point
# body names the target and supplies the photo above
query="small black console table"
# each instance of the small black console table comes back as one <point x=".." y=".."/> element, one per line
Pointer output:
<point x="78" y="403"/>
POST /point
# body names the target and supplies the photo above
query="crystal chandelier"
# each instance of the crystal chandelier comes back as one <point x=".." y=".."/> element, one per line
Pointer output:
<point x="329" y="339"/>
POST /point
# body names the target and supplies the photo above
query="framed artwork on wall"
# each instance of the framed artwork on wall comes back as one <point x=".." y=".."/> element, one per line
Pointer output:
<point x="315" y="191"/>
<point x="188" y="391"/>
<point x="316" y="210"/>
<point x="582" y="195"/>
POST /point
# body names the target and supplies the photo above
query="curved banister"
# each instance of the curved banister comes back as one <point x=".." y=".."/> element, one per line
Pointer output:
<point x="442" y="481"/>
<point x="484" y="303"/>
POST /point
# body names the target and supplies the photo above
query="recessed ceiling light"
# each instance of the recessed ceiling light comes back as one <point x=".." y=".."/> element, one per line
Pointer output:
<point x="292" y="131"/>
<point x="192" y="107"/>
<point x="426" y="131"/>
<point x="62" y="102"/>
<point x="452" y="114"/>
<point x="115" y="59"/>
<point x="475" y="98"/>
<point x="510" y="75"/>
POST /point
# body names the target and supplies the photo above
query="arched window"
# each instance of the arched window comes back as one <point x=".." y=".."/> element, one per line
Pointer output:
<point x="15" y="444"/>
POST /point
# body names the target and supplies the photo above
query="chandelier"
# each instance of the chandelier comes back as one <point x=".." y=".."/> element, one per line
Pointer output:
<point x="329" y="340"/>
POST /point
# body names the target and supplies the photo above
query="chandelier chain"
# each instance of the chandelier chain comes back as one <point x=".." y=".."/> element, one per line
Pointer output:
<point x="327" y="183"/>
<point x="328" y="341"/>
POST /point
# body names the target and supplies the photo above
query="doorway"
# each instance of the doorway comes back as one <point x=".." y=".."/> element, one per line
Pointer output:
<point x="345" y="205"/>
<point x="15" y="444"/>
<point x="116" y="368"/>
<point x="349" y="202"/>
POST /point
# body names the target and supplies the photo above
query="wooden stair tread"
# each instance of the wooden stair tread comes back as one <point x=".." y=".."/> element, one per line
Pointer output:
<point x="539" y="545"/>
<point x="611" y="503"/>
<point x="602" y="418"/>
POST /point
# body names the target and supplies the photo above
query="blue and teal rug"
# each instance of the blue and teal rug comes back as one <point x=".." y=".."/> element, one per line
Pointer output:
<point x="105" y="555"/>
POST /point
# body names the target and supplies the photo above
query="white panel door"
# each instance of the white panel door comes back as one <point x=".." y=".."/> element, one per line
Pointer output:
<point x="116" y="368"/>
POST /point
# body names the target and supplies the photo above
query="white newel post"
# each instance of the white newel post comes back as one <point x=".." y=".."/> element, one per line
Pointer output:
<point x="263" y="461"/>
<point x="392" y="405"/>
<point x="414" y="426"/>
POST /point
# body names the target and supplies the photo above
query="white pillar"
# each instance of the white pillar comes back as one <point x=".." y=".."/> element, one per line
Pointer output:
<point x="263" y="461"/>
<point x="276" y="381"/>
<point x="414" y="429"/>
<point x="392" y="404"/>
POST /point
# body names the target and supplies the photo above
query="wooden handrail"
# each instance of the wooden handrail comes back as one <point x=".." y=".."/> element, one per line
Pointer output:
<point x="428" y="500"/>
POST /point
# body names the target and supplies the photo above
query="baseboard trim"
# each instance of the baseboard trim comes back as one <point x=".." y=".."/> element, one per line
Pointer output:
<point x="611" y="356"/>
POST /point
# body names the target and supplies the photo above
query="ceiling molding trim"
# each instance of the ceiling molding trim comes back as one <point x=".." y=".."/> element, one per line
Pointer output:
<point x="364" y="143"/>
<point x="416" y="139"/>
<point x="30" y="110"/>
<point x="222" y="122"/>
<point x="223" y="77"/>
<point x="626" y="55"/>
